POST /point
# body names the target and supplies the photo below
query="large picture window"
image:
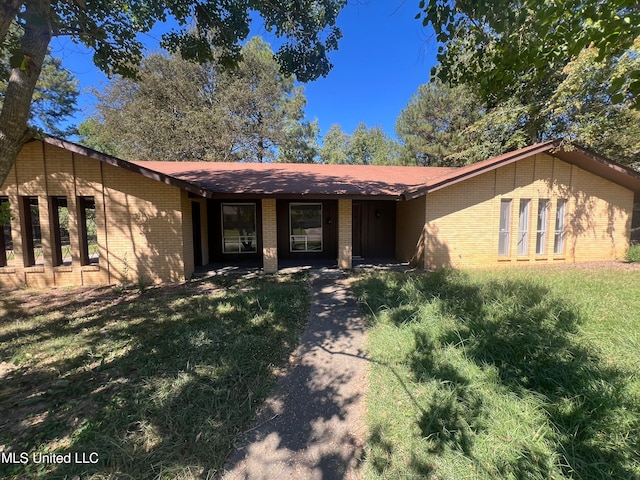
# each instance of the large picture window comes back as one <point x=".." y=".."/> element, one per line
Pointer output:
<point x="239" y="228"/>
<point x="505" y="226"/>
<point x="305" y="220"/>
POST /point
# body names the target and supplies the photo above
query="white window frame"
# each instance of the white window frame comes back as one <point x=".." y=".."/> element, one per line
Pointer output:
<point x="238" y="238"/>
<point x="561" y="213"/>
<point x="298" y="238"/>
<point x="541" y="226"/>
<point x="523" y="226"/>
<point x="504" y="235"/>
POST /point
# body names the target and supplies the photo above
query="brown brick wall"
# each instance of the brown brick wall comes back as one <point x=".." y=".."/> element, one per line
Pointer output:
<point x="345" y="249"/>
<point x="463" y="219"/>
<point x="139" y="220"/>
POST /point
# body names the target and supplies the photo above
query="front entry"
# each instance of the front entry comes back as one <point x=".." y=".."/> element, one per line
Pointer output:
<point x="373" y="229"/>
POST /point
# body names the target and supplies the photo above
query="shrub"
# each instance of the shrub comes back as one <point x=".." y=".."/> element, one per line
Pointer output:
<point x="633" y="254"/>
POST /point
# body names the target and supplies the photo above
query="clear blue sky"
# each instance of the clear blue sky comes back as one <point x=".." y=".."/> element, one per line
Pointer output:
<point x="384" y="55"/>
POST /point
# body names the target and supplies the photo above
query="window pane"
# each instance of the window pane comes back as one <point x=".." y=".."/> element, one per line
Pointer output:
<point x="523" y="227"/>
<point x="60" y="228"/>
<point x="90" y="252"/>
<point x="6" y="241"/>
<point x="558" y="243"/>
<point x="305" y="221"/>
<point x="239" y="228"/>
<point x="541" y="229"/>
<point x="32" y="236"/>
<point x="505" y="213"/>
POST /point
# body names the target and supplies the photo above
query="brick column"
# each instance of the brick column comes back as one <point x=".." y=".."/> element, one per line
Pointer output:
<point x="269" y="236"/>
<point x="345" y="248"/>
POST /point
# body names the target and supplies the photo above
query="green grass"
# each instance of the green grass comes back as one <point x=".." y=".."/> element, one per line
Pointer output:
<point x="519" y="374"/>
<point x="157" y="383"/>
<point x="633" y="254"/>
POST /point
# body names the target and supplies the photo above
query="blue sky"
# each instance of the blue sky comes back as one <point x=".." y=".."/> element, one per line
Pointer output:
<point x="384" y="55"/>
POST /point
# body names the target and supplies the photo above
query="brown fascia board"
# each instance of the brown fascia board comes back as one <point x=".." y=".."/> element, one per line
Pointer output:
<point x="482" y="167"/>
<point x="573" y="154"/>
<point x="597" y="164"/>
<point x="132" y="167"/>
<point x="301" y="196"/>
<point x="188" y="186"/>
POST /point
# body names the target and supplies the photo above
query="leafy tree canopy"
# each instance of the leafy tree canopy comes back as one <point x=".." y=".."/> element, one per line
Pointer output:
<point x="506" y="48"/>
<point x="208" y="30"/>
<point x="181" y="110"/>
<point x="366" y="146"/>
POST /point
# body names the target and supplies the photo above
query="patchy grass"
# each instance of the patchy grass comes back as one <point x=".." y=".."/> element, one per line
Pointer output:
<point x="158" y="382"/>
<point x="521" y="374"/>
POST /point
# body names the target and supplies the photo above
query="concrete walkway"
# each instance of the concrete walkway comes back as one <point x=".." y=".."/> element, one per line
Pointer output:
<point x="313" y="427"/>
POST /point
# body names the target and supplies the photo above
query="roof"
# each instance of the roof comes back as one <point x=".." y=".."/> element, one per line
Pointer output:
<point x="269" y="179"/>
<point x="231" y="179"/>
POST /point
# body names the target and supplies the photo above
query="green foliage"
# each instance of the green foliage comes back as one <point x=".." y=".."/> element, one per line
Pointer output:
<point x="56" y="92"/>
<point x="366" y="146"/>
<point x="633" y="254"/>
<point x="180" y="110"/>
<point x="508" y="48"/>
<point x="581" y="109"/>
<point x="452" y="126"/>
<point x="309" y="31"/>
<point x="5" y="213"/>
<point x="443" y="126"/>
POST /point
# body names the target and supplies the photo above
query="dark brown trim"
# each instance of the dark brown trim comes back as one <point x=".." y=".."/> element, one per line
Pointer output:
<point x="481" y="168"/>
<point x="132" y="167"/>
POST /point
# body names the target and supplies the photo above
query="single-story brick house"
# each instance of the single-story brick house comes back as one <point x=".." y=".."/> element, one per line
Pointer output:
<point x="82" y="217"/>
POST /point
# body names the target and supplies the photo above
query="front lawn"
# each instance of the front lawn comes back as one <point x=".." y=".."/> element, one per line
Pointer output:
<point x="512" y="374"/>
<point x="157" y="382"/>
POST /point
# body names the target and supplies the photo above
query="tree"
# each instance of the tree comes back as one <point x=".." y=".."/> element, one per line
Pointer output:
<point x="112" y="32"/>
<point x="334" y="146"/>
<point x="507" y="48"/>
<point x="261" y="106"/>
<point x="581" y="109"/>
<point x="180" y="110"/>
<point x="56" y="92"/>
<point x="433" y="128"/>
<point x="366" y="146"/>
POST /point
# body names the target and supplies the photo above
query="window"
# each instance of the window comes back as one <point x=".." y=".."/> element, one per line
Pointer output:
<point x="505" y="214"/>
<point x="239" y="228"/>
<point x="32" y="233"/>
<point x="541" y="229"/>
<point x="305" y="220"/>
<point x="558" y="243"/>
<point x="89" y="252"/>
<point x="6" y="241"/>
<point x="60" y="228"/>
<point x="523" y="227"/>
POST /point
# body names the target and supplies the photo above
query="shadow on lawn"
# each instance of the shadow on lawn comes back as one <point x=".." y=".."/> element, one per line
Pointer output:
<point x="157" y="384"/>
<point x="528" y="335"/>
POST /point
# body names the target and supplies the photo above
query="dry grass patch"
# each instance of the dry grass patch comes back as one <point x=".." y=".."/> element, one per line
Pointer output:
<point x="157" y="382"/>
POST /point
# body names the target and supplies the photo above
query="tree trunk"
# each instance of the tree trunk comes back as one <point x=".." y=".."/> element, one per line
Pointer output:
<point x="17" y="101"/>
<point x="8" y="11"/>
